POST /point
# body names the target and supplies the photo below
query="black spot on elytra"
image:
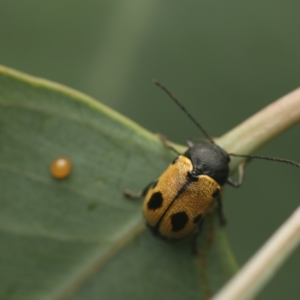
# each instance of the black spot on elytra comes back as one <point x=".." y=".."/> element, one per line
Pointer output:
<point x="155" y="201"/>
<point x="179" y="220"/>
<point x="197" y="219"/>
<point x="216" y="193"/>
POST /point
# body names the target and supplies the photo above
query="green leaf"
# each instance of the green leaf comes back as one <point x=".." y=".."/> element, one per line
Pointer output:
<point x="79" y="238"/>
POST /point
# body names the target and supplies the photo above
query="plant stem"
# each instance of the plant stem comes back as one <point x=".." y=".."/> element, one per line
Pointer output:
<point x="262" y="127"/>
<point x="263" y="265"/>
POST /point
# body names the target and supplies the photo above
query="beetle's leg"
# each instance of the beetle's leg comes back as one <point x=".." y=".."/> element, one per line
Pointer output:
<point x="167" y="143"/>
<point x="195" y="140"/>
<point x="189" y="143"/>
<point x="222" y="219"/>
<point x="241" y="170"/>
<point x="195" y="237"/>
<point x="131" y="195"/>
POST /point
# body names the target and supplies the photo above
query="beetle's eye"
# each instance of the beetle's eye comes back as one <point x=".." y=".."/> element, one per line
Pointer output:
<point x="175" y="160"/>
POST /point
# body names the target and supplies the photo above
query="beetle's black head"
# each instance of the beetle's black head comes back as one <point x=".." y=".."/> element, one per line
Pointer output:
<point x="211" y="160"/>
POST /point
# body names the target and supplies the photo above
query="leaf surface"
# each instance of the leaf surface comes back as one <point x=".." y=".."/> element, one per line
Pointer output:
<point x="79" y="238"/>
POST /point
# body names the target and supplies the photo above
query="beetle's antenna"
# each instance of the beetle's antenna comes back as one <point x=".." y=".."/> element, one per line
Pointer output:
<point x="168" y="92"/>
<point x="287" y="161"/>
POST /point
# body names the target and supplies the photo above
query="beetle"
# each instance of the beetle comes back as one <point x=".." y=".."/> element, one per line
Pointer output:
<point x="176" y="203"/>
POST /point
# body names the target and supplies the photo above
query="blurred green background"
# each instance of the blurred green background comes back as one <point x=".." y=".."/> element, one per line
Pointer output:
<point x="224" y="59"/>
